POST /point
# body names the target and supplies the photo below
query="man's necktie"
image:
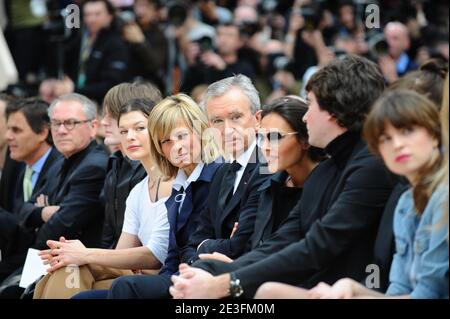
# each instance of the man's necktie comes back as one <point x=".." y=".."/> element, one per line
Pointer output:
<point x="27" y="184"/>
<point x="227" y="186"/>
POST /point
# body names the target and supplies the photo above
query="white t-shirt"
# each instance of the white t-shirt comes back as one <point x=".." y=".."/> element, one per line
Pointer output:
<point x="147" y="220"/>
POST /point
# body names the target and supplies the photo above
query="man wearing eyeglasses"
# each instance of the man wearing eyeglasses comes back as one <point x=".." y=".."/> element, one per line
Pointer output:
<point x="73" y="209"/>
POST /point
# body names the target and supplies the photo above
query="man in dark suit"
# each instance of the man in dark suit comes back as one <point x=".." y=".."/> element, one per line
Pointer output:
<point x="30" y="142"/>
<point x="330" y="233"/>
<point x="233" y="108"/>
<point x="72" y="208"/>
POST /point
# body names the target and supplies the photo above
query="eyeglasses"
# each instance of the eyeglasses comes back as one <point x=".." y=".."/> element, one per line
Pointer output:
<point x="273" y="137"/>
<point x="68" y="124"/>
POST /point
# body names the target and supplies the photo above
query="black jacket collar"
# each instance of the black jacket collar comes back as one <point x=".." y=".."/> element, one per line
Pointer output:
<point x="342" y="147"/>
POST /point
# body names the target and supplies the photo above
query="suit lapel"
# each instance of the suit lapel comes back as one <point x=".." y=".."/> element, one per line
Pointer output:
<point x="44" y="174"/>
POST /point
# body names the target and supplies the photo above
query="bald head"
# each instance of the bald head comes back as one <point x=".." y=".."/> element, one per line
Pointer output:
<point x="397" y="36"/>
<point x="245" y="14"/>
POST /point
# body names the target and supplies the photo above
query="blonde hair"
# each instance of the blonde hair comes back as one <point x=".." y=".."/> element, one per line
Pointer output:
<point x="165" y="117"/>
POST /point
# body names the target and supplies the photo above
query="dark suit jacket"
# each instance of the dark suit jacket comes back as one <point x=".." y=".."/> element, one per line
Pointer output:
<point x="330" y="233"/>
<point x="183" y="224"/>
<point x="216" y="223"/>
<point x="270" y="194"/>
<point x="8" y="182"/>
<point x="81" y="213"/>
<point x="14" y="239"/>
<point x="123" y="175"/>
<point x="44" y="181"/>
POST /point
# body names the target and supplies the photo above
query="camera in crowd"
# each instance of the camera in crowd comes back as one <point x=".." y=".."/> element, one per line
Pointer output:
<point x="205" y="43"/>
<point x="54" y="25"/>
<point x="312" y="14"/>
<point x="249" y="28"/>
<point x="126" y="17"/>
<point x="177" y="12"/>
<point x="277" y="62"/>
<point x="378" y="46"/>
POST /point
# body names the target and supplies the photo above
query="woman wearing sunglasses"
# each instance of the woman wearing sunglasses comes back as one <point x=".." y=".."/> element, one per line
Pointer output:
<point x="283" y="139"/>
<point x="404" y="129"/>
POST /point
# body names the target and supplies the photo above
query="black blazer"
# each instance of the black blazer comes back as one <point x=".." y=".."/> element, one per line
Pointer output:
<point x="270" y="194"/>
<point x="183" y="223"/>
<point x="216" y="223"/>
<point x="13" y="238"/>
<point x="44" y="182"/>
<point x="123" y="175"/>
<point x="80" y="216"/>
<point x="8" y="182"/>
<point x="330" y="233"/>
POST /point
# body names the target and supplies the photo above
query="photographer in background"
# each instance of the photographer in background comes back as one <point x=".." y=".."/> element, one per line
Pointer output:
<point x="246" y="18"/>
<point x="397" y="62"/>
<point x="208" y="66"/>
<point x="96" y="58"/>
<point x="182" y="28"/>
<point x="25" y="36"/>
<point x="146" y="41"/>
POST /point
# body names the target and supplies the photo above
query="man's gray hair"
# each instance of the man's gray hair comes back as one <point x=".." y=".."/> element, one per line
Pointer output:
<point x="89" y="107"/>
<point x="239" y="81"/>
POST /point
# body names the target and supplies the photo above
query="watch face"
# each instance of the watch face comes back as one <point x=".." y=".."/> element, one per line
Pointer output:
<point x="236" y="289"/>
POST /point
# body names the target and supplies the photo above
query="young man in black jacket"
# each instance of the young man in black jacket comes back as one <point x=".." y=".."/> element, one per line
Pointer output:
<point x="331" y="231"/>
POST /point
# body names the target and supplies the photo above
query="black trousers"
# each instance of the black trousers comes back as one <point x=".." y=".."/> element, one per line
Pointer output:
<point x="14" y="243"/>
<point x="141" y="287"/>
<point x="10" y="288"/>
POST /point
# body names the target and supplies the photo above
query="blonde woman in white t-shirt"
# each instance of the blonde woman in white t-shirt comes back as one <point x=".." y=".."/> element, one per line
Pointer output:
<point x="143" y="244"/>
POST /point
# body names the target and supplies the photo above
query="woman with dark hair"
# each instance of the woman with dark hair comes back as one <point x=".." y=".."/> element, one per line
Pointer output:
<point x="403" y="128"/>
<point x="283" y="139"/>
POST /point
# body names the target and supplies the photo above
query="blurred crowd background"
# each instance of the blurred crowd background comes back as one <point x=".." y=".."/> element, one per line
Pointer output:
<point x="181" y="46"/>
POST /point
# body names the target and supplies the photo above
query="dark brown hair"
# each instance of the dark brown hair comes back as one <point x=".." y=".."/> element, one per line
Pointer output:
<point x="404" y="109"/>
<point x="35" y="112"/>
<point x="292" y="109"/>
<point x="346" y="88"/>
<point x="124" y="92"/>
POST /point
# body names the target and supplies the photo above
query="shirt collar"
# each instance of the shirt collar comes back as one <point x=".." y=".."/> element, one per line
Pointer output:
<point x="402" y="63"/>
<point x="181" y="180"/>
<point x="244" y="158"/>
<point x="37" y="166"/>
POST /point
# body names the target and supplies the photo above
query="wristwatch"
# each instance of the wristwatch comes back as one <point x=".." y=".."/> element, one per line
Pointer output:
<point x="236" y="289"/>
